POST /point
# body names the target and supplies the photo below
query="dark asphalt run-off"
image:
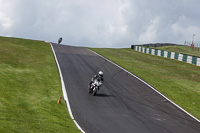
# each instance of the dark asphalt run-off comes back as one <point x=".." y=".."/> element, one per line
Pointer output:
<point x="124" y="104"/>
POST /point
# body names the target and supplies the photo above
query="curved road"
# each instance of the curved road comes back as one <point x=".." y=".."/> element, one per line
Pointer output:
<point x="124" y="104"/>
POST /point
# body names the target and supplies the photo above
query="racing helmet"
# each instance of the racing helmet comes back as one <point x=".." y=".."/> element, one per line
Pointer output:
<point x="100" y="74"/>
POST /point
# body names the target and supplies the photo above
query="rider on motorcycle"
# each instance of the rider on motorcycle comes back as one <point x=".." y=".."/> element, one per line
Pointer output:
<point x="98" y="76"/>
<point x="59" y="40"/>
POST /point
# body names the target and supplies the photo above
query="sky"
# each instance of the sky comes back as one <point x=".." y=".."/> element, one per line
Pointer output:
<point x="102" y="23"/>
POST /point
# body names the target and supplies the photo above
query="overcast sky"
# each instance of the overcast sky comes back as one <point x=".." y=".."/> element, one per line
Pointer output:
<point x="102" y="23"/>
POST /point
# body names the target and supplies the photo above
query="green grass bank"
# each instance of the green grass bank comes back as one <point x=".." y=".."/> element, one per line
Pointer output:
<point x="29" y="89"/>
<point x="179" y="81"/>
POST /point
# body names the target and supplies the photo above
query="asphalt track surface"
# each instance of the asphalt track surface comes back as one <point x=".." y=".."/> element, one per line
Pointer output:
<point x="124" y="104"/>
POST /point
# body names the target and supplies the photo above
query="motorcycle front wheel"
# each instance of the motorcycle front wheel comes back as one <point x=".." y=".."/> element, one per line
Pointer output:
<point x="94" y="91"/>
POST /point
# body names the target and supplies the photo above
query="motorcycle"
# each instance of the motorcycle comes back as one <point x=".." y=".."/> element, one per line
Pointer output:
<point x="59" y="40"/>
<point x="94" y="87"/>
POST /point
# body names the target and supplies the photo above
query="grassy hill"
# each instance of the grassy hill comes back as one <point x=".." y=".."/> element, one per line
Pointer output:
<point x="180" y="49"/>
<point x="30" y="84"/>
<point x="29" y="89"/>
<point x="178" y="81"/>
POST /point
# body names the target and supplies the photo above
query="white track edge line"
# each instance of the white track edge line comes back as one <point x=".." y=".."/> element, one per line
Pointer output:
<point x="65" y="92"/>
<point x="148" y="85"/>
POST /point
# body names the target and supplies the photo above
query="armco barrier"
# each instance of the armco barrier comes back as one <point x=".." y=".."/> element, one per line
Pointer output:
<point x="172" y="55"/>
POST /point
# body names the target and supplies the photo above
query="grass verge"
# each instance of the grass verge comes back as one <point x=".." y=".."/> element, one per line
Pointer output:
<point x="178" y="81"/>
<point x="29" y="89"/>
